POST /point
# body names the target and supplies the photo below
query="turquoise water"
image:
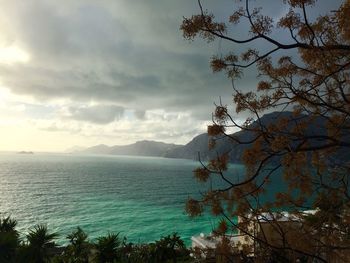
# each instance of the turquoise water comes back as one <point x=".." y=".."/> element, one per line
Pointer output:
<point x="142" y="198"/>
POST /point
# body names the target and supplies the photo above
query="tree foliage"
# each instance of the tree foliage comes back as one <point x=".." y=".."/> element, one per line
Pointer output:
<point x="9" y="239"/>
<point x="40" y="241"/>
<point x="303" y="71"/>
<point x="78" y="250"/>
<point x="39" y="246"/>
<point x="107" y="248"/>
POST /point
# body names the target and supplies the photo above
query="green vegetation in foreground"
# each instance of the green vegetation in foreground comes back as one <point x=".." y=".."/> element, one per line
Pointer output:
<point x="39" y="247"/>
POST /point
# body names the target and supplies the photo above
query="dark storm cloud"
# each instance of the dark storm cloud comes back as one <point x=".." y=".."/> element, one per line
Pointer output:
<point x="99" y="114"/>
<point x="174" y="80"/>
<point x="140" y="114"/>
<point x="88" y="50"/>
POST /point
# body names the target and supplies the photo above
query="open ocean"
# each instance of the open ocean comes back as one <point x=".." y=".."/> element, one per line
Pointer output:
<point x="143" y="198"/>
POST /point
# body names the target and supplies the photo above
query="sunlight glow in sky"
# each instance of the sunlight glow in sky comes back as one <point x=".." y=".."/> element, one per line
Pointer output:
<point x="13" y="54"/>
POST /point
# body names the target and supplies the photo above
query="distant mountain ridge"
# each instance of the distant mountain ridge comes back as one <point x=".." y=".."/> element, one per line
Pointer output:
<point x="198" y="146"/>
<point x="140" y="148"/>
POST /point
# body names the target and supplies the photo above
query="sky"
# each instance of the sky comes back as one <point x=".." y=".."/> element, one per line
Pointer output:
<point x="113" y="72"/>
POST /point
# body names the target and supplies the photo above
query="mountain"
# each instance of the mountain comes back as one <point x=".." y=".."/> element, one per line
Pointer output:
<point x="199" y="145"/>
<point x="97" y="149"/>
<point x="141" y="148"/>
<point x="75" y="148"/>
<point x="144" y="148"/>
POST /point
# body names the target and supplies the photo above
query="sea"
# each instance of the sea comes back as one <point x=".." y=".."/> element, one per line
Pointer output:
<point x="141" y="198"/>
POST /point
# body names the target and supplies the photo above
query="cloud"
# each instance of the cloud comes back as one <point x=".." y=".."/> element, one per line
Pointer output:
<point x="98" y="114"/>
<point x="89" y="50"/>
<point x="140" y="114"/>
<point x="116" y="65"/>
<point x="157" y="125"/>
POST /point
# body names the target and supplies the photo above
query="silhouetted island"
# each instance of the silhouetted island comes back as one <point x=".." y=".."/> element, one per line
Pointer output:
<point x="25" y="152"/>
